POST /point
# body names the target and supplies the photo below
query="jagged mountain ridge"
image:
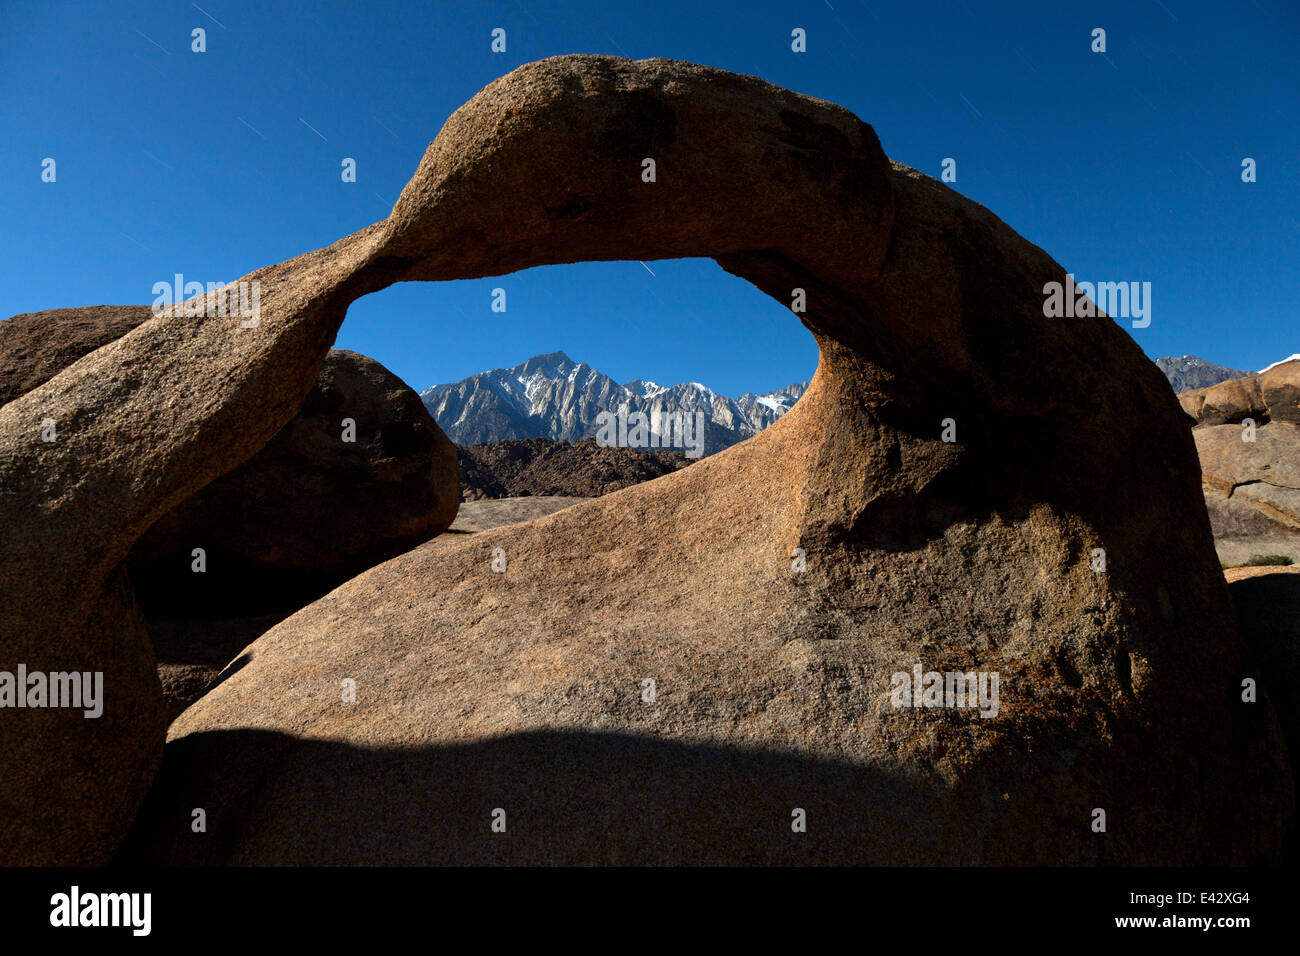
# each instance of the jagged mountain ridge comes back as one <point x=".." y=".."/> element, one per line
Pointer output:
<point x="551" y="396"/>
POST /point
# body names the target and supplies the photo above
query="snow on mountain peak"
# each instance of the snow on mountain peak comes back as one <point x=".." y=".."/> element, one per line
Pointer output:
<point x="553" y="396"/>
<point x="643" y="388"/>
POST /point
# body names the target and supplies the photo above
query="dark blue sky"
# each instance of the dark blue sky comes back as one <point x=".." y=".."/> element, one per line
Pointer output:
<point x="1124" y="167"/>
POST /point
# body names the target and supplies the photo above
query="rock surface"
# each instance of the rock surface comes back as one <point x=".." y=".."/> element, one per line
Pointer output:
<point x="192" y="654"/>
<point x="1270" y="396"/>
<point x="310" y="510"/>
<point x="302" y="516"/>
<point x="36" y="346"/>
<point x="71" y="782"/>
<point x="72" y="779"/>
<point x="136" y="425"/>
<point x="477" y="482"/>
<point x="513" y="469"/>
<point x="1252" y="487"/>
<point x="523" y="688"/>
<point x="482" y="515"/>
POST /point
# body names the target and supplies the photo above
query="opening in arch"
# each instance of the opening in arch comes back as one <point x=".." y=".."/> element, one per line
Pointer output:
<point x="542" y="352"/>
<point x="789" y="195"/>
<point x="556" y="384"/>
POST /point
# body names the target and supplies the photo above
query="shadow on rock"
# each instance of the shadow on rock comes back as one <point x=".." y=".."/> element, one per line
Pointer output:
<point x="572" y="798"/>
<point x="1268" y="613"/>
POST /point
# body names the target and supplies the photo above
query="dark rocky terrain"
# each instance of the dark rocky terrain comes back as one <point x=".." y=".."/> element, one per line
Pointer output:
<point x="513" y="469"/>
<point x="1267" y="602"/>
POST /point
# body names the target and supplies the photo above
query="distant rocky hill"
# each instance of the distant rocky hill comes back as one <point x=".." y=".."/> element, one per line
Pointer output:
<point x="1187" y="372"/>
<point x="551" y="396"/>
<point x="539" y="466"/>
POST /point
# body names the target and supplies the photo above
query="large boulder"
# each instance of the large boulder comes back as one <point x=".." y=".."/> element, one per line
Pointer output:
<point x="193" y="652"/>
<point x="36" y="346"/>
<point x="1269" y="396"/>
<point x="77" y="768"/>
<point x="681" y="670"/>
<point x="1247" y="433"/>
<point x="311" y="509"/>
<point x="73" y="779"/>
<point x="304" y="514"/>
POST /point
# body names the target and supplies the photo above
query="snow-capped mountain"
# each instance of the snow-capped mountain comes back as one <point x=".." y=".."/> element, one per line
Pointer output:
<point x="778" y="402"/>
<point x="551" y="396"/>
<point x="1187" y="372"/>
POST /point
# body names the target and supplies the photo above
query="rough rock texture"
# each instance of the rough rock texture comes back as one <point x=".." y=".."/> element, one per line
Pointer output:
<point x="539" y="466"/>
<point x="482" y="515"/>
<point x="1252" y="488"/>
<point x="1270" y="396"/>
<point x="69" y="780"/>
<point x="310" y="510"/>
<point x="36" y="346"/>
<point x="141" y="424"/>
<point x="302" y="516"/>
<point x="522" y="688"/>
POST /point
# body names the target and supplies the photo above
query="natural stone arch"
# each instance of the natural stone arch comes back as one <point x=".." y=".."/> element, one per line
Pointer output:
<point x="924" y="305"/>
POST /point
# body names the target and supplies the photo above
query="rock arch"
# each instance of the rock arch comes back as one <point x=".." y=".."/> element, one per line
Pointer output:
<point x="966" y="555"/>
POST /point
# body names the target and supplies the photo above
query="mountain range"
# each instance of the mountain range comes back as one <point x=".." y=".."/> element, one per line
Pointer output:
<point x="1186" y="372"/>
<point x="551" y="396"/>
